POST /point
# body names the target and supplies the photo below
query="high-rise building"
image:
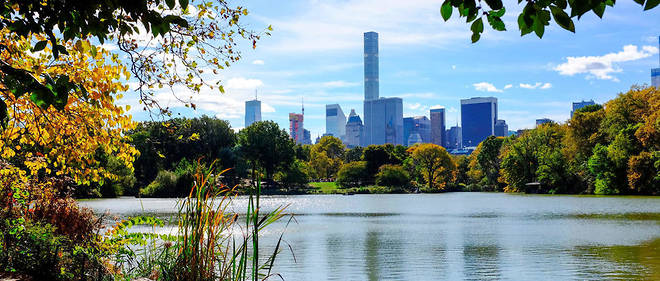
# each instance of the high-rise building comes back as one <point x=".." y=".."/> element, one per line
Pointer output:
<point x="478" y="116"/>
<point x="543" y="121"/>
<point x="383" y="121"/>
<point x="581" y="104"/>
<point x="354" y="130"/>
<point x="371" y="66"/>
<point x="252" y="112"/>
<point x="501" y="128"/>
<point x="454" y="138"/>
<point x="655" y="73"/>
<point x="416" y="127"/>
<point x="296" y="129"/>
<point x="335" y="121"/>
<point x="307" y="137"/>
<point x="438" y="126"/>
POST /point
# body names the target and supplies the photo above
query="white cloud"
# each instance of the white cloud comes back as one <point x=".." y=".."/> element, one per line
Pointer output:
<point x="258" y="62"/>
<point x="539" y="85"/>
<point x="602" y="67"/>
<point x="339" y="84"/>
<point x="437" y="106"/>
<point x="508" y="86"/>
<point x="486" y="87"/>
<point x="453" y="67"/>
<point x="243" y="83"/>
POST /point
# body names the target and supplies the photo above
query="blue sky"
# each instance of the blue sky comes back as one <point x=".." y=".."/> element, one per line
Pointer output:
<point x="315" y="52"/>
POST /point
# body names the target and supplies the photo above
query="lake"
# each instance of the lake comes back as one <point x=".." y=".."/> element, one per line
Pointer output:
<point x="454" y="236"/>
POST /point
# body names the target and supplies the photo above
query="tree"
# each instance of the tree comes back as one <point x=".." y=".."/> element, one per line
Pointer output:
<point x="326" y="157"/>
<point x="392" y="176"/>
<point x="378" y="155"/>
<point x="62" y="140"/>
<point x="353" y="154"/>
<point x="294" y="175"/>
<point x="435" y="164"/>
<point x="265" y="146"/>
<point x="353" y="174"/>
<point x="534" y="17"/>
<point x="485" y="162"/>
<point x="166" y="44"/>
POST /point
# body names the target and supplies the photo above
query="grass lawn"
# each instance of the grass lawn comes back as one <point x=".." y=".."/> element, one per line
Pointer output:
<point x="325" y="187"/>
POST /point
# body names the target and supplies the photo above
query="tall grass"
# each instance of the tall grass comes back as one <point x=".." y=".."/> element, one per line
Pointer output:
<point x="207" y="245"/>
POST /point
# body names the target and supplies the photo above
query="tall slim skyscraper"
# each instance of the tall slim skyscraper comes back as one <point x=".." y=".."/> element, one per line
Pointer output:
<point x="354" y="130"/>
<point x="655" y="72"/>
<point x="371" y="66"/>
<point x="478" y="116"/>
<point x="335" y="121"/>
<point x="296" y="129"/>
<point x="454" y="138"/>
<point x="581" y="104"/>
<point x="438" y="126"/>
<point x="252" y="112"/>
<point x="383" y="119"/>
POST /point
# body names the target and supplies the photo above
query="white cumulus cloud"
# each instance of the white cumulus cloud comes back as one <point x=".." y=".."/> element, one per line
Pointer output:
<point x="508" y="86"/>
<point x="537" y="85"/>
<point x="243" y="83"/>
<point x="258" y="62"/>
<point x="602" y="67"/>
<point x="486" y="87"/>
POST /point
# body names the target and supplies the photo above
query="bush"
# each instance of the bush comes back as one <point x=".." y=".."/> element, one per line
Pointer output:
<point x="163" y="186"/>
<point x="392" y="176"/>
<point x="352" y="174"/>
<point x="294" y="176"/>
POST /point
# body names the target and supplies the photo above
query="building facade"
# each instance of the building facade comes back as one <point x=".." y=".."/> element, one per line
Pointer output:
<point x="354" y="130"/>
<point x="307" y="137"/>
<point x="371" y="88"/>
<point x="335" y="121"/>
<point x="416" y="127"/>
<point x="454" y="138"/>
<point x="296" y="129"/>
<point x="501" y="128"/>
<point x="543" y="121"/>
<point x="581" y="104"/>
<point x="655" y="73"/>
<point x="383" y="120"/>
<point x="438" y="126"/>
<point x="252" y="112"/>
<point x="478" y="116"/>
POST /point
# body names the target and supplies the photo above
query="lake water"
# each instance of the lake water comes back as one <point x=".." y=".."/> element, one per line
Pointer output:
<point x="455" y="236"/>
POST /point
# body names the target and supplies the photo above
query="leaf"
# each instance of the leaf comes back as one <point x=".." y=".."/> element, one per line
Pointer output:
<point x="496" y="23"/>
<point x="498" y="13"/>
<point x="61" y="49"/>
<point x="562" y="18"/>
<point x="522" y="24"/>
<point x="539" y="27"/>
<point x="170" y="3"/>
<point x="477" y="26"/>
<point x="475" y="37"/>
<point x="599" y="9"/>
<point x="495" y="4"/>
<point x="183" y="4"/>
<point x="650" y="4"/>
<point x="446" y="10"/>
<point x="39" y="46"/>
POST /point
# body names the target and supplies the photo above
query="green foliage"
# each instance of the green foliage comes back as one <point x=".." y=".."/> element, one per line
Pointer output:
<point x="326" y="157"/>
<point x="172" y="184"/>
<point x="484" y="163"/>
<point x="295" y="175"/>
<point x="353" y="154"/>
<point x="378" y="155"/>
<point x="265" y="146"/>
<point x="434" y="163"/>
<point x="393" y="176"/>
<point x="534" y="17"/>
<point x="353" y="174"/>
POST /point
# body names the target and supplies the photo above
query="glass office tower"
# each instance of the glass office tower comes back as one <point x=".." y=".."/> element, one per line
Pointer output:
<point x="383" y="121"/>
<point x="335" y="121"/>
<point x="252" y="112"/>
<point x="478" y="116"/>
<point x="438" y="126"/>
<point x="296" y="129"/>
<point x="371" y="66"/>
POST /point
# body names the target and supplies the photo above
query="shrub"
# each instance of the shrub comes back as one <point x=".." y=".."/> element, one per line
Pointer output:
<point x="392" y="176"/>
<point x="163" y="186"/>
<point x="294" y="176"/>
<point x="352" y="174"/>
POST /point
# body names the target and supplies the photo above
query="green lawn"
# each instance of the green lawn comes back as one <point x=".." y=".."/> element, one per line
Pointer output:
<point x="325" y="187"/>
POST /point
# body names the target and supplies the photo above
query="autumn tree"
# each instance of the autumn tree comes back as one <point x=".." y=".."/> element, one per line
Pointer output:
<point x="326" y="157"/>
<point x="485" y="162"/>
<point x="435" y="164"/>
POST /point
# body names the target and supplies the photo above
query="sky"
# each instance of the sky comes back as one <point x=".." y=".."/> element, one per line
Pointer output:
<point x="315" y="54"/>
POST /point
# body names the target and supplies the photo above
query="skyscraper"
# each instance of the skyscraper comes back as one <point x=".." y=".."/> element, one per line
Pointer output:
<point x="335" y="121"/>
<point x="383" y="120"/>
<point x="501" y="128"/>
<point x="354" y="130"/>
<point x="371" y="66"/>
<point x="655" y="73"/>
<point x="307" y="137"/>
<point x="296" y="129"/>
<point x="416" y="127"/>
<point x="478" y="116"/>
<point x="252" y="112"/>
<point x="454" y="138"/>
<point x="438" y="126"/>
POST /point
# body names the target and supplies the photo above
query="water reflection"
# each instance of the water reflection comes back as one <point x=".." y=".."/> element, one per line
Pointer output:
<point x="458" y="236"/>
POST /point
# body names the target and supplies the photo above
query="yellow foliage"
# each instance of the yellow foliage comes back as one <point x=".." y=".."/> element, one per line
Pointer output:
<point x="63" y="143"/>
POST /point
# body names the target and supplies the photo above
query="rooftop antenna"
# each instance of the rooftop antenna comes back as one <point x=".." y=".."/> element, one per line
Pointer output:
<point x="303" y="106"/>
<point x="255" y="94"/>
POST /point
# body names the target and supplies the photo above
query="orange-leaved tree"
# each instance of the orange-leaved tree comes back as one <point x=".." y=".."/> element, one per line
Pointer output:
<point x="435" y="164"/>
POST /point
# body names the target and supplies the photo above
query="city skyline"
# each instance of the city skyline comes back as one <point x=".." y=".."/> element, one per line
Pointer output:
<point x="316" y="52"/>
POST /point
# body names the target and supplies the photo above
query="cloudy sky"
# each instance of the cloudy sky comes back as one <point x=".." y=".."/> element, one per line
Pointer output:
<point x="315" y="53"/>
